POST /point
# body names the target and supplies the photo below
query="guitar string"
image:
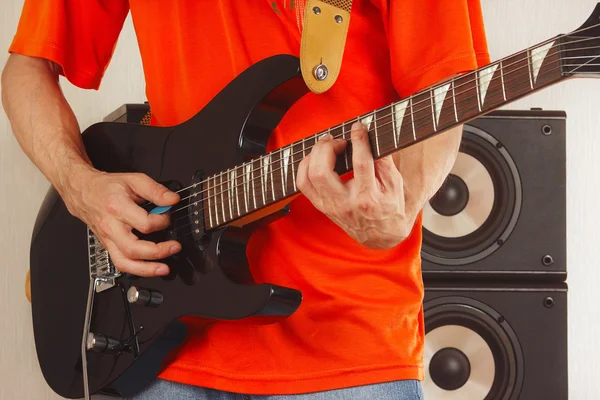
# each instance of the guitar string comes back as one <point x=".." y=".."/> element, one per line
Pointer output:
<point x="385" y="139"/>
<point x="534" y="47"/>
<point x="343" y="133"/>
<point x="408" y="122"/>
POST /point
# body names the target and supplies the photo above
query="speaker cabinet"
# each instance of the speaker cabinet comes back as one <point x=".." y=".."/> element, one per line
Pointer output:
<point x="502" y="211"/>
<point x="128" y="113"/>
<point x="495" y="342"/>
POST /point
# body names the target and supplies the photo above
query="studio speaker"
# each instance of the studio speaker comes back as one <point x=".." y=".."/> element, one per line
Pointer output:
<point x="501" y="213"/>
<point x="495" y="342"/>
<point x="128" y="113"/>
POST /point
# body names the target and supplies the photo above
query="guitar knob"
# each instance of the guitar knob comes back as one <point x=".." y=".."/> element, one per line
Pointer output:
<point x="103" y="344"/>
<point x="144" y="297"/>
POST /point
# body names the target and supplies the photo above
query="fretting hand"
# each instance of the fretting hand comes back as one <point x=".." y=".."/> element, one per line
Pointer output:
<point x="371" y="207"/>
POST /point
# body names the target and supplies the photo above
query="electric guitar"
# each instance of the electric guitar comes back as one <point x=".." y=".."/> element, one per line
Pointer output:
<point x="100" y="330"/>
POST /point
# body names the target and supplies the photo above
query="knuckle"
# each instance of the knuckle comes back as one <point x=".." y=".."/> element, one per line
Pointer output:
<point x="301" y="182"/>
<point x="128" y="251"/>
<point x="364" y="206"/>
<point x="145" y="227"/>
<point x="112" y="204"/>
<point x="104" y="227"/>
<point x="361" y="165"/>
<point x="346" y="212"/>
<point x="318" y="175"/>
<point x="156" y="190"/>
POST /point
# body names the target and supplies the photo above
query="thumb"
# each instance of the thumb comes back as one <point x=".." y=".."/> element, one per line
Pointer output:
<point x="147" y="188"/>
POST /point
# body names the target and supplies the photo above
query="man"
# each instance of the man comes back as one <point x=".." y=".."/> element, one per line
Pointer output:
<point x="351" y="247"/>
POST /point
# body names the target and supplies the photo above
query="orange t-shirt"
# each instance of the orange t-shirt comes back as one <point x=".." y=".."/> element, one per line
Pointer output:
<point x="361" y="320"/>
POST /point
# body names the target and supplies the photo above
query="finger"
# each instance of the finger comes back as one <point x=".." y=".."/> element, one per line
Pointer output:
<point x="136" y="217"/>
<point x="362" y="157"/>
<point x="387" y="173"/>
<point x="321" y="168"/>
<point x="135" y="267"/>
<point x="153" y="191"/>
<point x="134" y="248"/>
<point x="302" y="182"/>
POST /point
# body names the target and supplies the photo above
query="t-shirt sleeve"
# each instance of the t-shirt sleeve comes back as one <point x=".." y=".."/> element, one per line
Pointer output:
<point x="78" y="35"/>
<point x="431" y="40"/>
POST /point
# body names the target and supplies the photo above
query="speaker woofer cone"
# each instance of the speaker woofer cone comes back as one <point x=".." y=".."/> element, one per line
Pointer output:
<point x="485" y="338"/>
<point x="493" y="203"/>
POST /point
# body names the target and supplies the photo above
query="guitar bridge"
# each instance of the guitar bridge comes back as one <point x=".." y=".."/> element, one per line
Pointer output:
<point x="102" y="270"/>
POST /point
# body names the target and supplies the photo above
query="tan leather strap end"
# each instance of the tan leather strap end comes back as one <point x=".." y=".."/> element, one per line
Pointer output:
<point x="28" y="286"/>
<point x="324" y="33"/>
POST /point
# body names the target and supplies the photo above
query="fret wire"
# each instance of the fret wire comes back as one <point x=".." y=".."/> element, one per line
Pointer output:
<point x="502" y="80"/>
<point x="433" y="109"/>
<point x="264" y="176"/>
<point x="529" y="69"/>
<point x="394" y="134"/>
<point x="454" y="101"/>
<point x="282" y="168"/>
<point x="216" y="201"/>
<point x="253" y="186"/>
<point x="270" y="164"/>
<point x="245" y="183"/>
<point x="477" y="89"/>
<point x="303" y="148"/>
<point x="376" y="135"/>
<point x="237" y="192"/>
<point x="293" y="168"/>
<point x="347" y="147"/>
<point x="210" y="219"/>
<point x="229" y="195"/>
<point x="412" y="117"/>
<point x="222" y="197"/>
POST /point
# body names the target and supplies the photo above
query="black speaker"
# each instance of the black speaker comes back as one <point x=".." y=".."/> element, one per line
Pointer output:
<point x="495" y="342"/>
<point x="130" y="112"/>
<point x="501" y="213"/>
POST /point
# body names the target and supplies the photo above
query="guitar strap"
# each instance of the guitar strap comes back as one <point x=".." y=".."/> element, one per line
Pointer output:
<point x="324" y="32"/>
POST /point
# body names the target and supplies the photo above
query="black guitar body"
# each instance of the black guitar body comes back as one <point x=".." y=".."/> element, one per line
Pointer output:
<point x="228" y="131"/>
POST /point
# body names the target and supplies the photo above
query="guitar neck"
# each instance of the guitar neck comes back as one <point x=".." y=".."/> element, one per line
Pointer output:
<point x="271" y="178"/>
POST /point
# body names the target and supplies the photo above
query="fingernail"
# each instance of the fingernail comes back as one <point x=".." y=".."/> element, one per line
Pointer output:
<point x="325" y="136"/>
<point x="162" y="270"/>
<point x="169" y="194"/>
<point x="174" y="249"/>
<point x="357" y="125"/>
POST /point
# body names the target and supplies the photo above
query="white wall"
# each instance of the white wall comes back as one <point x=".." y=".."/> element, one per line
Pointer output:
<point x="511" y="26"/>
<point x="22" y="189"/>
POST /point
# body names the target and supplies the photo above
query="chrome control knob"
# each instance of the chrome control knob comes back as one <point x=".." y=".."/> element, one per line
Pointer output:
<point x="103" y="344"/>
<point x="144" y="297"/>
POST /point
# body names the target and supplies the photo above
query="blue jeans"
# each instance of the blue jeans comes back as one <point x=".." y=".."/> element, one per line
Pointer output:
<point x="398" y="390"/>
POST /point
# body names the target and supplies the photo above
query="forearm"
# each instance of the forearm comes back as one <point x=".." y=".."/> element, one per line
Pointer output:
<point x="425" y="165"/>
<point x="42" y="120"/>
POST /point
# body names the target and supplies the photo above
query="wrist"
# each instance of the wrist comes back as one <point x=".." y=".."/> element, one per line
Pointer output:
<point x="70" y="181"/>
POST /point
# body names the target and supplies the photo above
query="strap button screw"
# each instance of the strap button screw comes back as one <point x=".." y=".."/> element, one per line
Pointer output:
<point x="320" y="72"/>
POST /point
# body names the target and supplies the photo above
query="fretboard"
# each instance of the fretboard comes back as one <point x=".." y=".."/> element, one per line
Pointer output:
<point x="271" y="178"/>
